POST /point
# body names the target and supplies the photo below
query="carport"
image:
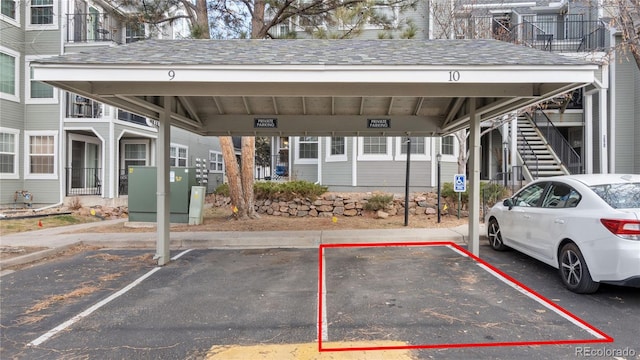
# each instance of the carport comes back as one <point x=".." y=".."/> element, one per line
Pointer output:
<point x="317" y="88"/>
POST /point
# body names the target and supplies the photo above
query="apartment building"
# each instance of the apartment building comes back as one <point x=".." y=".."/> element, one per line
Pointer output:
<point x="56" y="145"/>
<point x="591" y="130"/>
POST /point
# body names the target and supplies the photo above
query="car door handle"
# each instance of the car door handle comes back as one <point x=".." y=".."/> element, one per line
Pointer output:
<point x="558" y="221"/>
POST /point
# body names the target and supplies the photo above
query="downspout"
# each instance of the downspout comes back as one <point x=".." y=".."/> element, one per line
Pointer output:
<point x="320" y="160"/>
<point x="354" y="162"/>
<point x="611" y="76"/>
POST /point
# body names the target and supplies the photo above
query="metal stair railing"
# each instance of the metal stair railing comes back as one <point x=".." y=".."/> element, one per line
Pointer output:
<point x="569" y="158"/>
<point x="529" y="157"/>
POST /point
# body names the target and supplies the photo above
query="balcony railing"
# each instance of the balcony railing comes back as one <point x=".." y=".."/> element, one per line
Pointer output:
<point x="93" y="27"/>
<point x="81" y="107"/>
<point x="565" y="34"/>
<point x="83" y="181"/>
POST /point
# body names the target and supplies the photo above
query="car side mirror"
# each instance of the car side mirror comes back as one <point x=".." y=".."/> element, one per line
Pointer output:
<point x="508" y="203"/>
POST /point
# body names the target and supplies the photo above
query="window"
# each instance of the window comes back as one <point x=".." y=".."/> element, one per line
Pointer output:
<point x="40" y="151"/>
<point x="447" y="146"/>
<point x="561" y="196"/>
<point x="374" y="145"/>
<point x="307" y="150"/>
<point x="41" y="14"/>
<point x="529" y="196"/>
<point x="374" y="148"/>
<point x="135" y="154"/>
<point x="36" y="91"/>
<point x="178" y="156"/>
<point x="9" y="153"/>
<point x="135" y="32"/>
<point x="419" y="147"/>
<point x="336" y="149"/>
<point x="216" y="162"/>
<point x="9" y="61"/>
<point x="10" y="11"/>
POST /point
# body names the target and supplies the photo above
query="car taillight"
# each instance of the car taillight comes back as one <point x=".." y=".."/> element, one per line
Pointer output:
<point x="627" y="229"/>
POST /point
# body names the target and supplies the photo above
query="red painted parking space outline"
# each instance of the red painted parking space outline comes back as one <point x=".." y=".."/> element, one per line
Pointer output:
<point x="601" y="337"/>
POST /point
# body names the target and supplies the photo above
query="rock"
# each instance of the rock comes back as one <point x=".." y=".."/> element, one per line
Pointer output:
<point x="313" y="212"/>
<point x="304" y="207"/>
<point x="381" y="214"/>
<point x="430" y="211"/>
<point x="302" y="213"/>
<point x="350" y="205"/>
<point x="325" y="208"/>
<point x="350" y="212"/>
<point x="338" y="210"/>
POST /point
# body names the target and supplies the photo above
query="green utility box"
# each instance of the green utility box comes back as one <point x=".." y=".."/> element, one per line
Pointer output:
<point x="143" y="193"/>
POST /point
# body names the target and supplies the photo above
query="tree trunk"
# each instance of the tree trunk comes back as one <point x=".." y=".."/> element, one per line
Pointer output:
<point x="233" y="175"/>
<point x="257" y="21"/>
<point x="248" y="162"/>
<point x="202" y="19"/>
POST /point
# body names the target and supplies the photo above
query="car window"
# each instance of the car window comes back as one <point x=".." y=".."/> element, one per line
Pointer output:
<point x="619" y="196"/>
<point x="561" y="196"/>
<point x="529" y="196"/>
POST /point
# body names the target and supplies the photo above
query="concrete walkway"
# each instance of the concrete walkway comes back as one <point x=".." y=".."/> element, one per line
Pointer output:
<point x="59" y="239"/>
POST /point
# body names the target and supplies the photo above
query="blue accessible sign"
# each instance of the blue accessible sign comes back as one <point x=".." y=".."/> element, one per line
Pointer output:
<point x="460" y="183"/>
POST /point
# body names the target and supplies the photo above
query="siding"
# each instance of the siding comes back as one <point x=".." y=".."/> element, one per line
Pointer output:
<point x="627" y="98"/>
<point x="48" y="42"/>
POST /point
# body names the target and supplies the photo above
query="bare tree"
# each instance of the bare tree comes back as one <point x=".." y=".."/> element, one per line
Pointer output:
<point x="625" y="17"/>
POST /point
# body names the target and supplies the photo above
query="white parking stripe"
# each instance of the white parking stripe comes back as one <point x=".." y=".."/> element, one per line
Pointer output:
<point x="97" y="306"/>
<point x="325" y="328"/>
<point x="531" y="295"/>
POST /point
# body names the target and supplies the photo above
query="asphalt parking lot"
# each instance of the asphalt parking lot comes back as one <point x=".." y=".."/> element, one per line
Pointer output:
<point x="424" y="301"/>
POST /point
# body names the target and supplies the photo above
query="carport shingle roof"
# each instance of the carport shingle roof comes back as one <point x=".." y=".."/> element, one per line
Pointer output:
<point x="317" y="52"/>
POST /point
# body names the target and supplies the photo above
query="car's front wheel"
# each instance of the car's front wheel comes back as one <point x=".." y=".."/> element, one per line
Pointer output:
<point x="574" y="271"/>
<point x="495" y="235"/>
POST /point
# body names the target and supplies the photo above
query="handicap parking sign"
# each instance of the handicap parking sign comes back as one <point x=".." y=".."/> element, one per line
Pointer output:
<point x="460" y="183"/>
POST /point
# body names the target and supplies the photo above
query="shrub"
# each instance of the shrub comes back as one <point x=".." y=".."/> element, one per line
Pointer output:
<point x="222" y="189"/>
<point x="378" y="202"/>
<point x="490" y="192"/>
<point x="75" y="204"/>
<point x="288" y="190"/>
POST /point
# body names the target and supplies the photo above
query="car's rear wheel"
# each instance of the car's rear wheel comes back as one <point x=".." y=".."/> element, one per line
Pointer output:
<point x="495" y="235"/>
<point x="574" y="271"/>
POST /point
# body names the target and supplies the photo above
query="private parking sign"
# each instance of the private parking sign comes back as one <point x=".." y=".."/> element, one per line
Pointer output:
<point x="460" y="183"/>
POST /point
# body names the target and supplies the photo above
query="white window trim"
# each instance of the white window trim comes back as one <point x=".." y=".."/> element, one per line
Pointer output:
<point x="304" y="161"/>
<point x="15" y="22"/>
<point x="27" y="83"/>
<point x="375" y="157"/>
<point x="53" y="26"/>
<point x="335" y="158"/>
<point x="186" y="158"/>
<point x="425" y="156"/>
<point x="13" y="97"/>
<point x="456" y="150"/>
<point x="147" y="151"/>
<point x="16" y="153"/>
<point x="216" y="171"/>
<point x="27" y="155"/>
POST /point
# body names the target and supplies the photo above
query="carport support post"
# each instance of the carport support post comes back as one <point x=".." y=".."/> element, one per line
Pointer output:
<point x="474" y="174"/>
<point x="163" y="209"/>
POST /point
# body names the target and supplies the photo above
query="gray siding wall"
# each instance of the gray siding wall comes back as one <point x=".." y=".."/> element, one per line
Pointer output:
<point x="627" y="93"/>
<point x="387" y="175"/>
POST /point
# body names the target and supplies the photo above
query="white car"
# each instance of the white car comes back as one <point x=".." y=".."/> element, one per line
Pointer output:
<point x="587" y="226"/>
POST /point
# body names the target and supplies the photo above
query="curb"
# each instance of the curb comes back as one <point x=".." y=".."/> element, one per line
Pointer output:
<point x="36" y="256"/>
